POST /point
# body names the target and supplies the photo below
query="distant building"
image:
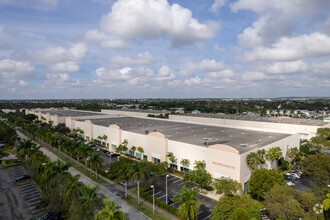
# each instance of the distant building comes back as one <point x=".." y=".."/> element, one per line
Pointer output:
<point x="196" y="112"/>
<point x="180" y="111"/>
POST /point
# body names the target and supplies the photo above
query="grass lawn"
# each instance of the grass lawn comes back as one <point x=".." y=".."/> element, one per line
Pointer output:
<point x="11" y="162"/>
<point x="146" y="209"/>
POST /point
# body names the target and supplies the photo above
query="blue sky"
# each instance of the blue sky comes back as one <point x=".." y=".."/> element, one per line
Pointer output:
<point x="164" y="49"/>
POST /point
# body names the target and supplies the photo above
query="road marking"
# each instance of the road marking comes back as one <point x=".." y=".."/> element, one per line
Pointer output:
<point x="161" y="196"/>
<point x="200" y="212"/>
<point x="177" y="180"/>
<point x="158" y="192"/>
<point x="207" y="217"/>
<point x="181" y="183"/>
<point x="174" y="203"/>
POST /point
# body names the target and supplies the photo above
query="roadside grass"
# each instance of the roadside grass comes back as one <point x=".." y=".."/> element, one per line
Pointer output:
<point x="146" y="209"/>
<point x="11" y="162"/>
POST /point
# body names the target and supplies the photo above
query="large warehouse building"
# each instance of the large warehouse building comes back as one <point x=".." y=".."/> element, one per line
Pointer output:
<point x="222" y="143"/>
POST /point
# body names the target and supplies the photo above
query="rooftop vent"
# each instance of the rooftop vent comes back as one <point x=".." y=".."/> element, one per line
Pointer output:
<point x="243" y="145"/>
<point x="146" y="132"/>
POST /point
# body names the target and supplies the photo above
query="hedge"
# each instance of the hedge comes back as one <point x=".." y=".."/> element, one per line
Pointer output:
<point x="161" y="204"/>
<point x="11" y="162"/>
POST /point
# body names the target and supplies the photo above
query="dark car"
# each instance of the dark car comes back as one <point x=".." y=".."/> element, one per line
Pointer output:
<point x="23" y="177"/>
<point x="51" y="216"/>
<point x="170" y="200"/>
<point x="115" y="155"/>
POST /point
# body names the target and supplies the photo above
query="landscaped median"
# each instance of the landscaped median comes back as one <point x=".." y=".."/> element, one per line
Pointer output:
<point x="11" y="162"/>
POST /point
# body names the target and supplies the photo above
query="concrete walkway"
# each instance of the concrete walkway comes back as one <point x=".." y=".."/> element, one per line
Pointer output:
<point x="131" y="212"/>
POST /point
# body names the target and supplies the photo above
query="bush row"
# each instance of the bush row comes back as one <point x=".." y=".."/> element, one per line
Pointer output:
<point x="161" y="204"/>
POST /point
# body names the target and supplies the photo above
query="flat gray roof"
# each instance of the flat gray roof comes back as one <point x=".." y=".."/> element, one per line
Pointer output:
<point x="285" y="120"/>
<point x="69" y="113"/>
<point x="194" y="134"/>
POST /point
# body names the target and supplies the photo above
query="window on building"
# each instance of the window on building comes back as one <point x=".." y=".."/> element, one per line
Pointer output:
<point x="114" y="147"/>
<point x="156" y="160"/>
<point x="103" y="143"/>
<point x="173" y="166"/>
<point x="107" y="144"/>
<point x="145" y="157"/>
<point x="131" y="153"/>
<point x="184" y="169"/>
<point x="246" y="187"/>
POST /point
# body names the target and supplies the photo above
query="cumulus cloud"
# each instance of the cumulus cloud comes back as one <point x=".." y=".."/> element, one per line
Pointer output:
<point x="259" y="76"/>
<point x="15" y="69"/>
<point x="164" y="74"/>
<point x="221" y="74"/>
<point x="65" y="67"/>
<point x="190" y="68"/>
<point x="217" y="5"/>
<point x="22" y="83"/>
<point x="284" y="67"/>
<point x="322" y="69"/>
<point x="142" y="59"/>
<point x="286" y="49"/>
<point x="276" y="20"/>
<point x="59" y="54"/>
<point x="193" y="81"/>
<point x="105" y="40"/>
<point x="153" y="19"/>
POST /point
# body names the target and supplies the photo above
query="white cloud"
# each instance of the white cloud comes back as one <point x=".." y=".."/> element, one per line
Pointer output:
<point x="276" y="20"/>
<point x="217" y="5"/>
<point x="65" y="67"/>
<point x="219" y="49"/>
<point x="142" y="59"/>
<point x="193" y="81"/>
<point x="58" y="54"/>
<point x="284" y="67"/>
<point x="164" y="74"/>
<point x="153" y="19"/>
<point x="123" y="74"/>
<point x="106" y="41"/>
<point x="15" y="69"/>
<point x="322" y="69"/>
<point x="39" y="4"/>
<point x="22" y="83"/>
<point x="221" y="74"/>
<point x="304" y="46"/>
<point x="259" y="76"/>
<point x="190" y="68"/>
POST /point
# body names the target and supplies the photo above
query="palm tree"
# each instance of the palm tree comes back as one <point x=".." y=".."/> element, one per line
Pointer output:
<point x="25" y="145"/>
<point x="138" y="172"/>
<point x="185" y="163"/>
<point x="189" y="204"/>
<point x="171" y="157"/>
<point x="110" y="212"/>
<point x="261" y="153"/>
<point x="292" y="154"/>
<point x="253" y="160"/>
<point x="72" y="187"/>
<point x="34" y="153"/>
<point x="124" y="175"/>
<point x="274" y="154"/>
<point x="95" y="161"/>
<point x="88" y="194"/>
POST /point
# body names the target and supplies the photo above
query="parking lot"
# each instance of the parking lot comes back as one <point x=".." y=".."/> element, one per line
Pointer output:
<point x="174" y="185"/>
<point x="18" y="200"/>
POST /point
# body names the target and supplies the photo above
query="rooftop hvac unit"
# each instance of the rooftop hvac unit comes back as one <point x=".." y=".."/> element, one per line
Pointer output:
<point x="243" y="145"/>
<point x="146" y="132"/>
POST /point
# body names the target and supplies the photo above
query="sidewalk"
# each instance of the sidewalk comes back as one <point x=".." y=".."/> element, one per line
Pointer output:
<point x="132" y="212"/>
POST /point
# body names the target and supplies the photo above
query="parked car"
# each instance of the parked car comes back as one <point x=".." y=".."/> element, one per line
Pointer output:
<point x="114" y="155"/>
<point x="51" y="216"/>
<point x="23" y="177"/>
<point x="170" y="200"/>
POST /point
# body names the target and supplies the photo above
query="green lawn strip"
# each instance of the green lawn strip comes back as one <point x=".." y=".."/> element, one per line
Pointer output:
<point x="146" y="209"/>
<point x="10" y="163"/>
<point x="66" y="159"/>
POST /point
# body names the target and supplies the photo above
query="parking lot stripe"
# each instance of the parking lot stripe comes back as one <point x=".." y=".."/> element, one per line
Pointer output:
<point x="174" y="203"/>
<point x="177" y="180"/>
<point x="181" y="183"/>
<point x="158" y="192"/>
<point x="25" y="187"/>
<point x="200" y="212"/>
<point x="207" y="217"/>
<point x="161" y="196"/>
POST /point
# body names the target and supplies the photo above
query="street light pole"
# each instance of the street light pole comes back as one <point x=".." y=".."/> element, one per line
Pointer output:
<point x="153" y="198"/>
<point x="166" y="188"/>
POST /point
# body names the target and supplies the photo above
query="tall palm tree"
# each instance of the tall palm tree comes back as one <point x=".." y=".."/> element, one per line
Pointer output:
<point x="25" y="145"/>
<point x="261" y="153"/>
<point x="189" y="204"/>
<point x="252" y="160"/>
<point x="110" y="212"/>
<point x="34" y="153"/>
<point x="88" y="194"/>
<point x="292" y="153"/>
<point x="82" y="150"/>
<point x="274" y="154"/>
<point x="72" y="187"/>
<point x="185" y="163"/>
<point x="138" y="172"/>
<point x="95" y="161"/>
<point x="124" y="175"/>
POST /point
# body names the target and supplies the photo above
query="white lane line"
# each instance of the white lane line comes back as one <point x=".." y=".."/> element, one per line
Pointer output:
<point x="174" y="203"/>
<point x="158" y="192"/>
<point x="200" y="212"/>
<point x="207" y="217"/>
<point x="181" y="183"/>
<point x="177" y="181"/>
<point x="161" y="197"/>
